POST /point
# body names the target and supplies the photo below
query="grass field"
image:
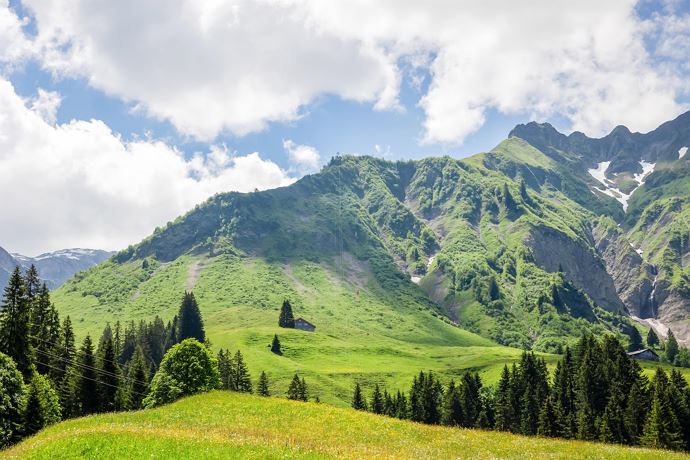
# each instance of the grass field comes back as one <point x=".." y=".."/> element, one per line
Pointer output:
<point x="230" y="425"/>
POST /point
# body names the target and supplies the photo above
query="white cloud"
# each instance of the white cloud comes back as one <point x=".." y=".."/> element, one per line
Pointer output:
<point x="79" y="184"/>
<point x="13" y="44"/>
<point x="209" y="66"/>
<point x="305" y="157"/>
<point x="46" y="105"/>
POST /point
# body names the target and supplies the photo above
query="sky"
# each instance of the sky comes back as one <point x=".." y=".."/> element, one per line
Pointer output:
<point x="116" y="117"/>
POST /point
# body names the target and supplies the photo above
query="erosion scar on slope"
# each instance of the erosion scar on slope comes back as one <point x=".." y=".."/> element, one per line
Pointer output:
<point x="193" y="273"/>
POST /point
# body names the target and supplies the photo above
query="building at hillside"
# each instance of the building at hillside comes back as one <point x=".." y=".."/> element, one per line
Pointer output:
<point x="644" y="354"/>
<point x="304" y="325"/>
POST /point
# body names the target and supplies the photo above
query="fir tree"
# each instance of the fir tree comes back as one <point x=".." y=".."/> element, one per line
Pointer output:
<point x="376" y="405"/>
<point x="635" y="339"/>
<point x="45" y="331"/>
<point x="401" y="406"/>
<point x="225" y="369"/>
<point x="85" y="371"/>
<point x="564" y="393"/>
<point x="549" y="419"/>
<point x="138" y="378"/>
<point x="286" y="318"/>
<point x="661" y="430"/>
<point x="295" y="391"/>
<point x="32" y="283"/>
<point x="66" y="350"/>
<point x="240" y="380"/>
<point x="671" y="347"/>
<point x="15" y="325"/>
<point x="452" y="406"/>
<point x="652" y="338"/>
<point x="635" y="412"/>
<point x="503" y="407"/>
<point x="262" y="386"/>
<point x="275" y="345"/>
<point x="612" y="422"/>
<point x="109" y="376"/>
<point x="303" y="390"/>
<point x="358" y="401"/>
<point x="189" y="322"/>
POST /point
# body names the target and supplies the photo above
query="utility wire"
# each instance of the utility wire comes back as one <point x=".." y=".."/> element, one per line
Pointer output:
<point x="89" y="378"/>
<point x="95" y="369"/>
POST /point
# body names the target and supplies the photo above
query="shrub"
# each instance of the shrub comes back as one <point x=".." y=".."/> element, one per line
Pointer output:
<point x="187" y="368"/>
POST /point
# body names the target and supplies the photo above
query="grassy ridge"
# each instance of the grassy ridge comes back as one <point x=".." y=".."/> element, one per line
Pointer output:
<point x="230" y="425"/>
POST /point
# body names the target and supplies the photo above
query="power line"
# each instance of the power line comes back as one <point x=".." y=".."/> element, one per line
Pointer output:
<point x="89" y="378"/>
<point x="95" y="369"/>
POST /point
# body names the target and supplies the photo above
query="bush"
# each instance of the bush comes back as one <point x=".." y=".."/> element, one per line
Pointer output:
<point x="187" y="368"/>
<point x="11" y="400"/>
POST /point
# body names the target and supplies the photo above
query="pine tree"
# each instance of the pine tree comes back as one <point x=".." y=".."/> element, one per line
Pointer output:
<point x="635" y="339"/>
<point x="87" y="388"/>
<point x="661" y="430"/>
<point x="358" y="401"/>
<point x="66" y="350"/>
<point x="401" y="406"/>
<point x="671" y="347"/>
<point x="240" y="380"/>
<point x="549" y="419"/>
<point x="452" y="406"/>
<point x="225" y="369"/>
<point x="376" y="405"/>
<point x="32" y="283"/>
<point x="15" y="325"/>
<point x="42" y="405"/>
<point x="138" y="378"/>
<point x="635" y="412"/>
<point x="295" y="389"/>
<point x="286" y="318"/>
<point x="303" y="390"/>
<point x="564" y="392"/>
<point x="612" y="422"/>
<point x="503" y="406"/>
<point x="275" y="345"/>
<point x="652" y="338"/>
<point x="189" y="321"/>
<point x="262" y="386"/>
<point x="109" y="376"/>
<point x="45" y="331"/>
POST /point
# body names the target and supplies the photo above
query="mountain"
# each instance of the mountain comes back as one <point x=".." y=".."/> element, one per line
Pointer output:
<point x="424" y="264"/>
<point x="645" y="242"/>
<point x="54" y="268"/>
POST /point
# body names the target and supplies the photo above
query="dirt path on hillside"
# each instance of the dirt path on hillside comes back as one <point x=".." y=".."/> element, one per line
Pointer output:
<point x="193" y="273"/>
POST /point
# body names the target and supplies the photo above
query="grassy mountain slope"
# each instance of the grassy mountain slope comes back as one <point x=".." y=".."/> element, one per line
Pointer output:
<point x="227" y="425"/>
<point x="384" y="258"/>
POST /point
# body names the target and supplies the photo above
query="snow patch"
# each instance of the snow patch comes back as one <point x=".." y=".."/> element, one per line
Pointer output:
<point x="599" y="173"/>
<point x="416" y="279"/>
<point x="682" y="152"/>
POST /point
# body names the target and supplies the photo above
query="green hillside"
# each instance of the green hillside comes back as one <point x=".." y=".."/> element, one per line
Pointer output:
<point x="230" y="425"/>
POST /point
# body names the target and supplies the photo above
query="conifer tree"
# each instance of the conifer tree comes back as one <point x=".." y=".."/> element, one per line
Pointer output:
<point x="549" y="423"/>
<point x="661" y="430"/>
<point x="275" y="345"/>
<point x="612" y="422"/>
<point x="303" y="390"/>
<point x="109" y="376"/>
<point x="262" y="388"/>
<point x="295" y="389"/>
<point x="225" y="369"/>
<point x="358" y="401"/>
<point x="564" y="392"/>
<point x="189" y="321"/>
<point x="376" y="405"/>
<point x="635" y="412"/>
<point x="388" y="404"/>
<point x="503" y="407"/>
<point x="15" y="325"/>
<point x="66" y="350"/>
<point x="87" y="378"/>
<point x="240" y="380"/>
<point x="652" y="338"/>
<point x="671" y="347"/>
<point x="32" y="283"/>
<point x="635" y="339"/>
<point x="286" y="318"/>
<point x="42" y="405"/>
<point x="401" y="406"/>
<point x="138" y="378"/>
<point x="45" y="331"/>
<point x="452" y="406"/>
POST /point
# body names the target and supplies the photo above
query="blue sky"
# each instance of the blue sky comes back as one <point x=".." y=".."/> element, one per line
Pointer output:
<point x="126" y="114"/>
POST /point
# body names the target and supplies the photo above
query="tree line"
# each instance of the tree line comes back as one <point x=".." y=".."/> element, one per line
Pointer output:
<point x="596" y="393"/>
<point x="45" y="377"/>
